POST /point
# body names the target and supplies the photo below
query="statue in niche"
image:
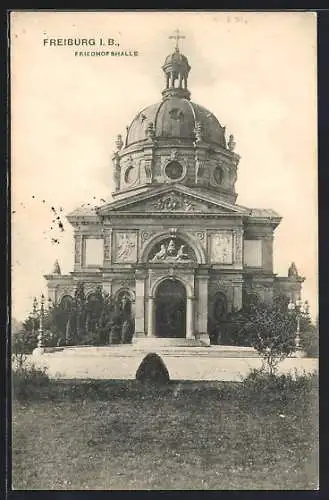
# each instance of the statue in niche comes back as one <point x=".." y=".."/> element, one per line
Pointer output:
<point x="148" y="169"/>
<point x="116" y="171"/>
<point x="292" y="271"/>
<point x="169" y="253"/>
<point x="198" y="169"/>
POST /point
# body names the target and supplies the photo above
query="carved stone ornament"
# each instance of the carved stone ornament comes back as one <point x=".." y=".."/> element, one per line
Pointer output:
<point x="173" y="202"/>
<point x="198" y="131"/>
<point x="125" y="247"/>
<point x="221" y="247"/>
<point x="125" y="283"/>
<point x="292" y="271"/>
<point x="200" y="235"/>
<point x="231" y="143"/>
<point x="107" y="247"/>
<point x="119" y="142"/>
<point x="149" y="131"/>
<point x="77" y="250"/>
<point x="146" y="235"/>
<point x="172" y="250"/>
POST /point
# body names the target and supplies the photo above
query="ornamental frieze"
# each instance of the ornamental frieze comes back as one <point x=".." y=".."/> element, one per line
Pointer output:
<point x="173" y="202"/>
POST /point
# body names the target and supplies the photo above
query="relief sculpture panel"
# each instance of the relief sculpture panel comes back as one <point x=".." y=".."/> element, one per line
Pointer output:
<point x="221" y="247"/>
<point x="125" y="247"/>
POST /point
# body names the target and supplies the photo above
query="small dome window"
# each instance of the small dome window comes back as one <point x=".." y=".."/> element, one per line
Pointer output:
<point x="218" y="175"/>
<point x="130" y="175"/>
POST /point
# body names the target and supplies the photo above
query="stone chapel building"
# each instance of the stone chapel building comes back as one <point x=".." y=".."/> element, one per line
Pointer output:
<point x="174" y="241"/>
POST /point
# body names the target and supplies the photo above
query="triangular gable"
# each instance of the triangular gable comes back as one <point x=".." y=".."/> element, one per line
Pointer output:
<point x="172" y="199"/>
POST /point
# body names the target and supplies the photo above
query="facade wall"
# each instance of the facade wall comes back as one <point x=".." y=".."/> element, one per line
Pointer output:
<point x="218" y="275"/>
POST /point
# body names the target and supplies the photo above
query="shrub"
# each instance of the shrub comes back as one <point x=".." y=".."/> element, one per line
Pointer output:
<point x="27" y="380"/>
<point x="310" y="341"/>
<point x="268" y="386"/>
<point x="152" y="369"/>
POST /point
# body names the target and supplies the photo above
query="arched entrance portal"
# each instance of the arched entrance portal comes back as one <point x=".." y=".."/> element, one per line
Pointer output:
<point x="170" y="309"/>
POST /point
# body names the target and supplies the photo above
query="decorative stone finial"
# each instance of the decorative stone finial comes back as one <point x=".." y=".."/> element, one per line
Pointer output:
<point x="149" y="131"/>
<point x="116" y="171"/>
<point x="119" y="142"/>
<point x="292" y="271"/>
<point x="56" y="268"/>
<point x="231" y="144"/>
<point x="198" y="131"/>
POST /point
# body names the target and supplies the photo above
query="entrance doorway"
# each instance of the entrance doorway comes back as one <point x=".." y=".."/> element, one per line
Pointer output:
<point x="170" y="316"/>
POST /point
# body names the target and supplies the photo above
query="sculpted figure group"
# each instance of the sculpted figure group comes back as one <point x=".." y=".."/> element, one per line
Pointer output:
<point x="169" y="253"/>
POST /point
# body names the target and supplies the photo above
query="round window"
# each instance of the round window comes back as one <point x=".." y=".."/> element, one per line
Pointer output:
<point x="174" y="170"/>
<point x="218" y="175"/>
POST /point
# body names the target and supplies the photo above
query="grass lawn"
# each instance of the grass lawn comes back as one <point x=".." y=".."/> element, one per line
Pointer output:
<point x="182" y="436"/>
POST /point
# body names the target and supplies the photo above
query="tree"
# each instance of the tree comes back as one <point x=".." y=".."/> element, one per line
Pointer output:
<point x="24" y="341"/>
<point x="97" y="320"/>
<point x="309" y="335"/>
<point x="272" y="331"/>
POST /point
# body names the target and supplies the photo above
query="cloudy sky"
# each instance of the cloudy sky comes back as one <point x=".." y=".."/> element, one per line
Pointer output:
<point x="255" y="71"/>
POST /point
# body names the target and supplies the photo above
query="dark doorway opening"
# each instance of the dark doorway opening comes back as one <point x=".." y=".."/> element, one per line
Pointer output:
<point x="170" y="317"/>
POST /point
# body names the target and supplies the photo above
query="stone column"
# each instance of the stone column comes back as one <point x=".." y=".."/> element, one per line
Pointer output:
<point x="78" y="251"/>
<point x="107" y="247"/>
<point x="267" y="252"/>
<point x="237" y="246"/>
<point x="140" y="305"/>
<point x="237" y="295"/>
<point x="150" y="318"/>
<point x="52" y="293"/>
<point x="190" y="318"/>
<point x="202" y="304"/>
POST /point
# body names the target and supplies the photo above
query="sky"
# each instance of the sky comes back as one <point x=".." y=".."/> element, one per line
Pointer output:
<point x="255" y="71"/>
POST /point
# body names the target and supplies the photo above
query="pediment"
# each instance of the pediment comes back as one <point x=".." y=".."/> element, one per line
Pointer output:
<point x="173" y="200"/>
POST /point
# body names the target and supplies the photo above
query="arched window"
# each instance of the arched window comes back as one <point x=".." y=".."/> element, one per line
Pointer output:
<point x="251" y="300"/>
<point x="218" y="175"/>
<point x="124" y="303"/>
<point x="66" y="303"/>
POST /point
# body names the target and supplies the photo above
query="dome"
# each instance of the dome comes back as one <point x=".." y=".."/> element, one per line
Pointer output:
<point x="176" y="58"/>
<point x="176" y="118"/>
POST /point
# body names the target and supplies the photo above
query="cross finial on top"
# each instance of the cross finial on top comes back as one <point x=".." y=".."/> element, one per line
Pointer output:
<point x="176" y="37"/>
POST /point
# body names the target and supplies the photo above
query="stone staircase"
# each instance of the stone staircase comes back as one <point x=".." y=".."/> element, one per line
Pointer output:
<point x="140" y="349"/>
